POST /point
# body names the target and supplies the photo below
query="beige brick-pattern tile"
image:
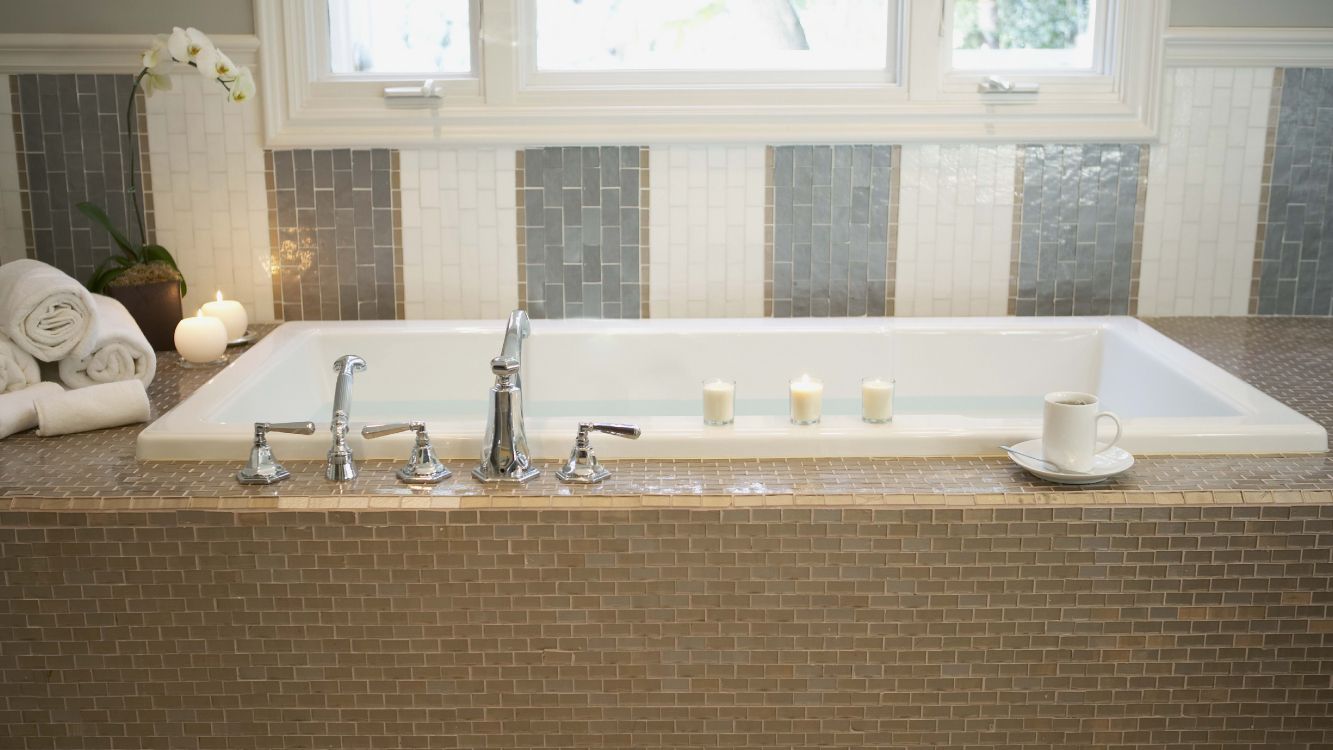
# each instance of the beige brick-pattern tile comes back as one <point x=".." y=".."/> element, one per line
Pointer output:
<point x="1183" y="627"/>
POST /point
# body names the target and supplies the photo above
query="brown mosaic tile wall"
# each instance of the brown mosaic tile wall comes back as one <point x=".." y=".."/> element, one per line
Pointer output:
<point x="335" y="233"/>
<point x="1018" y="628"/>
<point x="71" y="144"/>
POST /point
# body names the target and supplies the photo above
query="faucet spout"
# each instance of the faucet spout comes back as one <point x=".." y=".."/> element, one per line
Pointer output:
<point x="341" y="467"/>
<point x="504" y="450"/>
<point x="517" y="329"/>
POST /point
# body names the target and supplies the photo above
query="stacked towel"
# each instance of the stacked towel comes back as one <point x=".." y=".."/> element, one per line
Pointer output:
<point x="115" y="350"/>
<point x="42" y="310"/>
<point x="18" y="410"/>
<point x="92" y="408"/>
<point x="18" y="369"/>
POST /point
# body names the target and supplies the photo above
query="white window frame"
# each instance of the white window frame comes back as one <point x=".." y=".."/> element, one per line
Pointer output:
<point x="511" y="102"/>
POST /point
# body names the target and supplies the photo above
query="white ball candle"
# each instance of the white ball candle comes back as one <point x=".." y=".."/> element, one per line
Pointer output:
<point x="876" y="400"/>
<point x="231" y="313"/>
<point x="201" y="338"/>
<point x="719" y="401"/>
<point x="807" y="400"/>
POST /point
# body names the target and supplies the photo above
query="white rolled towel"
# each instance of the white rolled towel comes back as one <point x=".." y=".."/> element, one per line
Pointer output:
<point x="18" y="369"/>
<point x="42" y="310"/>
<point x="92" y="408"/>
<point x="18" y="410"/>
<point x="115" y="350"/>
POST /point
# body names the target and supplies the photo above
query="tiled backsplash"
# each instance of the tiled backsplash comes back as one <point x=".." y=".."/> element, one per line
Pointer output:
<point x="829" y="235"/>
<point x="1296" y="266"/>
<point x="1078" y="224"/>
<point x="71" y="146"/>
<point x="583" y="231"/>
<point x="335" y="234"/>
<point x="1227" y="216"/>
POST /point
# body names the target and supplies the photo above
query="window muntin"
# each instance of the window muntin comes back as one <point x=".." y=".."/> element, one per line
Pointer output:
<point x="724" y="35"/>
<point x="400" y="37"/>
<point x="1055" y="36"/>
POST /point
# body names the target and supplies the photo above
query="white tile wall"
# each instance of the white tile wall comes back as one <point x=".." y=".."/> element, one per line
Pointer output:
<point x="207" y="160"/>
<point x="706" y="231"/>
<point x="12" y="245"/>
<point x="1203" y="192"/>
<point x="955" y="222"/>
<point x="460" y="246"/>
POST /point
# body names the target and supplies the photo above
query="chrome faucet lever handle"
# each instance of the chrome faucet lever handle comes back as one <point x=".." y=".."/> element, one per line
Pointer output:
<point x="341" y="467"/>
<point x="263" y="467"/>
<point x="583" y="466"/>
<point x="422" y="466"/>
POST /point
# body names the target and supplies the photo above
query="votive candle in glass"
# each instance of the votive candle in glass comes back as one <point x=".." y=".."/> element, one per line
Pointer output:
<point x="719" y="401"/>
<point x="877" y="400"/>
<point x="806" y="399"/>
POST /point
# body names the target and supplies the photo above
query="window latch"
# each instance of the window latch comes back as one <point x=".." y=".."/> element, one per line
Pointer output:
<point x="427" y="90"/>
<point x="998" y="85"/>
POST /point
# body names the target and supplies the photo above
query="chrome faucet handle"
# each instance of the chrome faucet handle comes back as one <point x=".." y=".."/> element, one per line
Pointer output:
<point x="263" y="467"/>
<point x="422" y="466"/>
<point x="583" y="466"/>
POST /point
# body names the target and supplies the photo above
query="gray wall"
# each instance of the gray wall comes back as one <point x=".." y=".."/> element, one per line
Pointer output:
<point x="237" y="16"/>
<point x="125" y="16"/>
<point x="1281" y="13"/>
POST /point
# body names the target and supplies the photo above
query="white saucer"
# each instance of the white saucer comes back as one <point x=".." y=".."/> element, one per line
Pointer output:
<point x="1105" y="465"/>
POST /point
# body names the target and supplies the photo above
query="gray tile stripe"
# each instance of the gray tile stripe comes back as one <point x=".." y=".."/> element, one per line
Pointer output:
<point x="71" y="144"/>
<point x="582" y="231"/>
<point x="831" y="214"/>
<point x="331" y="217"/>
<point x="1295" y="261"/>
<point x="1080" y="217"/>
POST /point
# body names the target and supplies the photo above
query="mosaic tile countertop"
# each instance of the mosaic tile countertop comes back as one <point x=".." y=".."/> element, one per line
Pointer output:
<point x="1289" y="358"/>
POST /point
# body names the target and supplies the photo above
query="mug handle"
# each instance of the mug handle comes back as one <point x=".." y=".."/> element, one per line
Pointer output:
<point x="1114" y="440"/>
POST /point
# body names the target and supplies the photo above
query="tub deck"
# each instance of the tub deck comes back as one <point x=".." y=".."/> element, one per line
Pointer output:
<point x="1288" y="358"/>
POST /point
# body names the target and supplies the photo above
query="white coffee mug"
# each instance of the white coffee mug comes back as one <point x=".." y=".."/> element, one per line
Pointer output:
<point x="1069" y="429"/>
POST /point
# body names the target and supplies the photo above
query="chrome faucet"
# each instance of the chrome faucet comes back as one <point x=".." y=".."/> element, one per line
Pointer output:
<point x="504" y="452"/>
<point x="341" y="467"/>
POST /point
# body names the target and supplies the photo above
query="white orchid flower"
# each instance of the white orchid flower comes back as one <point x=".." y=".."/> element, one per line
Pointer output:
<point x="157" y="54"/>
<point x="154" y="81"/>
<point x="243" y="87"/>
<point x="223" y="68"/>
<point x="192" y="46"/>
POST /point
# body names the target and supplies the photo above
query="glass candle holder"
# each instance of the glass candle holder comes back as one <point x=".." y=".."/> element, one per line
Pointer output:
<point x="806" y="400"/>
<point x="719" y="401"/>
<point x="877" y="400"/>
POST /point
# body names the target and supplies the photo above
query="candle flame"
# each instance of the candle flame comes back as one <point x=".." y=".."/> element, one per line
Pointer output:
<point x="219" y="295"/>
<point x="199" y="313"/>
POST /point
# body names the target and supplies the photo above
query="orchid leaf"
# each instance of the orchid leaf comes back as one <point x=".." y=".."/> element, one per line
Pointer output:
<point x="98" y="216"/>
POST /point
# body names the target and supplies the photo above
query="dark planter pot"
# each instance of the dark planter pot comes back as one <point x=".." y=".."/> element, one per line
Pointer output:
<point x="155" y="307"/>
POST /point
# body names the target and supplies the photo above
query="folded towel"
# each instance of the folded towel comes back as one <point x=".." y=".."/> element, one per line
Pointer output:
<point x="92" y="408"/>
<point x="18" y="411"/>
<point x="115" y="350"/>
<point x="42" y="310"/>
<point x="18" y="369"/>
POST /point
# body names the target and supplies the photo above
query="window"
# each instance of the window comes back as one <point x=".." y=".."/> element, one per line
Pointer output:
<point x="1026" y="35"/>
<point x="581" y="71"/>
<point x="389" y="37"/>
<point x="712" y="35"/>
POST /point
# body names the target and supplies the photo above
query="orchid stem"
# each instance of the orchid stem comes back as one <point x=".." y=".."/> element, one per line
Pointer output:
<point x="130" y="120"/>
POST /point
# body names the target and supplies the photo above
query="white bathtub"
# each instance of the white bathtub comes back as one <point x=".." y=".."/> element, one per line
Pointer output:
<point x="965" y="386"/>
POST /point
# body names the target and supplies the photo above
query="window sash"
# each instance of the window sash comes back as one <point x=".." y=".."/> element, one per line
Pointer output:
<point x="508" y="101"/>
